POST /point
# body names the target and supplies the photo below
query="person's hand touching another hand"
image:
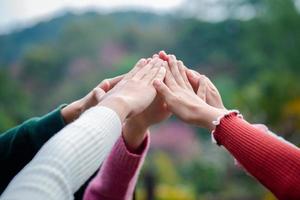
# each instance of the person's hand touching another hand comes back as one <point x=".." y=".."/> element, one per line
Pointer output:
<point x="72" y="111"/>
<point x="181" y="99"/>
<point x="202" y="85"/>
<point x="205" y="89"/>
<point x="135" y="92"/>
<point x="135" y="128"/>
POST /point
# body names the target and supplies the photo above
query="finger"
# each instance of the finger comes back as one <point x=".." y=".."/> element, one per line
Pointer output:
<point x="145" y="70"/>
<point x="202" y="88"/>
<point x="213" y="98"/>
<point x="160" y="74"/>
<point x="193" y="78"/>
<point x="211" y="85"/>
<point x="175" y="71"/>
<point x="163" y="55"/>
<point x="155" y="56"/>
<point x="148" y="60"/>
<point x="182" y="70"/>
<point x="140" y="64"/>
<point x="158" y="68"/>
<point x="104" y="85"/>
<point x="108" y="84"/>
<point x="162" y="90"/>
<point x="99" y="93"/>
<point x="169" y="79"/>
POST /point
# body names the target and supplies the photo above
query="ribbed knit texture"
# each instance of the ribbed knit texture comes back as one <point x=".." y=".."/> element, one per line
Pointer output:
<point x="274" y="162"/>
<point x="118" y="175"/>
<point x="19" y="145"/>
<point x="68" y="159"/>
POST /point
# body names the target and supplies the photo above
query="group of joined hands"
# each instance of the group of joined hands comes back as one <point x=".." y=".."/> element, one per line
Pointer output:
<point x="154" y="89"/>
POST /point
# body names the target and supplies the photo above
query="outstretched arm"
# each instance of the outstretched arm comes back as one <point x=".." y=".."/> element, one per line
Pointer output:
<point x="19" y="145"/>
<point x="67" y="160"/>
<point x="118" y="175"/>
<point x="272" y="161"/>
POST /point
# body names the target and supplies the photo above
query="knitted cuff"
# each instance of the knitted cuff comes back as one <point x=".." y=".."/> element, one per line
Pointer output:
<point x="219" y="119"/>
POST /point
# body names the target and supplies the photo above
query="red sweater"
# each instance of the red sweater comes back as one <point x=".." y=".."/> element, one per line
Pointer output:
<point x="273" y="162"/>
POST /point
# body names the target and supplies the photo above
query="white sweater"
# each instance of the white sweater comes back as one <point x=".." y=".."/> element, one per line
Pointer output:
<point x="68" y="159"/>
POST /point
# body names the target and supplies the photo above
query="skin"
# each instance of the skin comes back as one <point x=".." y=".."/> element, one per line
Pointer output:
<point x="201" y="84"/>
<point x="181" y="98"/>
<point x="205" y="89"/>
<point x="135" y="92"/>
<point x="76" y="108"/>
<point x="135" y="128"/>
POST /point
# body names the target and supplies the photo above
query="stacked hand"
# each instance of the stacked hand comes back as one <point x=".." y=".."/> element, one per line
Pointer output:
<point x="149" y="93"/>
<point x="190" y="96"/>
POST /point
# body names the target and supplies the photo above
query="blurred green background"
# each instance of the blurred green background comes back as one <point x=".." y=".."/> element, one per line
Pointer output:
<point x="252" y="56"/>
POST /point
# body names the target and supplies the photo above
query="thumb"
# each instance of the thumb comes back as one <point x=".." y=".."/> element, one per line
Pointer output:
<point x="99" y="93"/>
<point x="193" y="78"/>
<point x="104" y="85"/>
<point x="201" y="92"/>
<point x="162" y="89"/>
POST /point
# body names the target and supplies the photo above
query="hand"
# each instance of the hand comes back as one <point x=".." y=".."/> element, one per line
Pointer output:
<point x="155" y="113"/>
<point x="181" y="99"/>
<point x="135" y="128"/>
<point x="202" y="85"/>
<point x="134" y="93"/>
<point x="72" y="111"/>
<point x="205" y="89"/>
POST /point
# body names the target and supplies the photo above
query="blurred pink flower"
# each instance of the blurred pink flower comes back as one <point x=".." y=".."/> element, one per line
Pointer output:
<point x="178" y="139"/>
<point x="111" y="53"/>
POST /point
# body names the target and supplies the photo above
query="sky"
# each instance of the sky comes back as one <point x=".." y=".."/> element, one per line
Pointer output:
<point x="22" y="13"/>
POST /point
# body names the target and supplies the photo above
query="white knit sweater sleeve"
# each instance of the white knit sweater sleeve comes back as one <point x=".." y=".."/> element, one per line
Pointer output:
<point x="68" y="159"/>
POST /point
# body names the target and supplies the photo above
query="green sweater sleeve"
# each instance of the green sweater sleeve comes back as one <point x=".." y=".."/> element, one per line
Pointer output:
<point x="19" y="145"/>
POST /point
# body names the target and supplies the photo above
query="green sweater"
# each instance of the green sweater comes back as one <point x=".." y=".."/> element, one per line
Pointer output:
<point x="20" y="144"/>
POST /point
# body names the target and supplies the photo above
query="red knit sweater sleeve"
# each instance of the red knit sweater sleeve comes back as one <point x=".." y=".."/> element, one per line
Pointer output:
<point x="273" y="162"/>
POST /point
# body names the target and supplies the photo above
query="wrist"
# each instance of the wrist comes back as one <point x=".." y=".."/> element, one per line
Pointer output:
<point x="117" y="104"/>
<point x="134" y="133"/>
<point x="207" y="117"/>
<point x="138" y="122"/>
<point x="72" y="111"/>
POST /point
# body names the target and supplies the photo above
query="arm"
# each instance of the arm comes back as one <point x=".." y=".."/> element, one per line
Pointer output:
<point x="68" y="159"/>
<point x="118" y="176"/>
<point x="19" y="145"/>
<point x="274" y="162"/>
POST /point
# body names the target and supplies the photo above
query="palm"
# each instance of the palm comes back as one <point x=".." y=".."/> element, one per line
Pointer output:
<point x="156" y="112"/>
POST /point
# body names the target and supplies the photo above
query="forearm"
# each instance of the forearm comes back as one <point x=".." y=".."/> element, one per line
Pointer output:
<point x="68" y="159"/>
<point x="19" y="145"/>
<point x="134" y="133"/>
<point x="118" y="175"/>
<point x="274" y="162"/>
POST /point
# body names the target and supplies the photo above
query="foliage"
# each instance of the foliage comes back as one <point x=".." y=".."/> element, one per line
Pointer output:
<point x="254" y="63"/>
